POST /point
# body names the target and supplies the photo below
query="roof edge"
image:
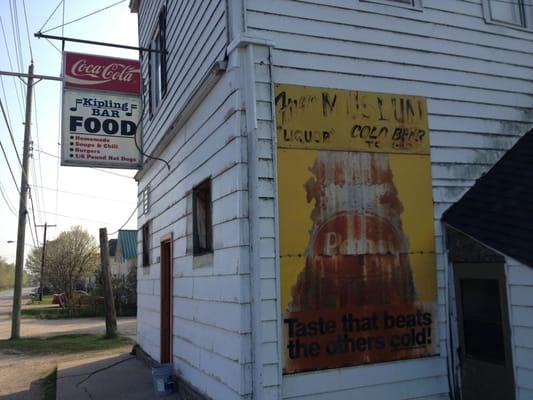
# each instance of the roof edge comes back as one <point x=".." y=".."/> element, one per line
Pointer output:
<point x="134" y="5"/>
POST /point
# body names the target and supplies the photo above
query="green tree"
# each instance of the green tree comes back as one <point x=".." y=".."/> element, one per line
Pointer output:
<point x="71" y="258"/>
<point x="7" y="274"/>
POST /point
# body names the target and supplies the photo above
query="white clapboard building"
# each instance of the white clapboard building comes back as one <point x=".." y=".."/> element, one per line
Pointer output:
<point x="299" y="157"/>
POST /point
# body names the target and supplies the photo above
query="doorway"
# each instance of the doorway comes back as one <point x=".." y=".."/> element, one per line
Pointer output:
<point x="166" y="300"/>
<point x="484" y="334"/>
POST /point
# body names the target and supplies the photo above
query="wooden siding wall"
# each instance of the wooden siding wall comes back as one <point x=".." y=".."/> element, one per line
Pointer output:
<point x="520" y="299"/>
<point x="477" y="79"/>
<point x="196" y="38"/>
<point x="211" y="310"/>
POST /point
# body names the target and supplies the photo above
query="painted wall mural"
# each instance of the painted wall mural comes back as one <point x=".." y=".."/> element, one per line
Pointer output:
<point x="358" y="274"/>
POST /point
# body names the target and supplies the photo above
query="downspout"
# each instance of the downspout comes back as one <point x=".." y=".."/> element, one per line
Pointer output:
<point x="250" y="106"/>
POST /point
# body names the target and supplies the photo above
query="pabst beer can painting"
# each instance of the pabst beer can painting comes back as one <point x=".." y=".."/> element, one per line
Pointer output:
<point x="357" y="258"/>
<point x="101" y="112"/>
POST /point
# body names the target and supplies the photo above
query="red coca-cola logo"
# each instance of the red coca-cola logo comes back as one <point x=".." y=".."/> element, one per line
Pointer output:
<point x="102" y="73"/>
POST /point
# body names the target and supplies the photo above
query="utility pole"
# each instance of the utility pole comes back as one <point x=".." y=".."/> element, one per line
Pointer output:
<point x="21" y="234"/>
<point x="109" y="302"/>
<point x="43" y="258"/>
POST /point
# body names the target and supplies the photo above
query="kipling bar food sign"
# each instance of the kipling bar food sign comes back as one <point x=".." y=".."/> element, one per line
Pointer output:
<point x="101" y="112"/>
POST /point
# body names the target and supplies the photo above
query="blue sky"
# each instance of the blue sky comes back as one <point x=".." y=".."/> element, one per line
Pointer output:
<point x="64" y="196"/>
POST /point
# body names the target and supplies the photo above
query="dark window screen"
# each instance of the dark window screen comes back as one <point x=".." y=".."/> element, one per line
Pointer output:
<point x="482" y="320"/>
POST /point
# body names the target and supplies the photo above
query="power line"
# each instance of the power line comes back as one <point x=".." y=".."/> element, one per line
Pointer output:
<point x="16" y="38"/>
<point x="94" y="168"/>
<point x="51" y="15"/>
<point x="74" y="218"/>
<point x="85" y="16"/>
<point x="128" y="220"/>
<point x="10" y="132"/>
<point x="78" y="194"/>
<point x="27" y="28"/>
<point x="6" y="199"/>
<point x="33" y="214"/>
<point x="11" y="66"/>
<point x="37" y="136"/>
<point x="9" y="166"/>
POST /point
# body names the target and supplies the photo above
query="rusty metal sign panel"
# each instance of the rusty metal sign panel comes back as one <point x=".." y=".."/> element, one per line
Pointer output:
<point x="358" y="273"/>
<point x="334" y="119"/>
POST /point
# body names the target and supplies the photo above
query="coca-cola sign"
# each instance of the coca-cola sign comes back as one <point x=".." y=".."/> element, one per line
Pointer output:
<point x="102" y="73"/>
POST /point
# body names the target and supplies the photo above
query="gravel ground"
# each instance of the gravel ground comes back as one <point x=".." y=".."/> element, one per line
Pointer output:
<point x="20" y="374"/>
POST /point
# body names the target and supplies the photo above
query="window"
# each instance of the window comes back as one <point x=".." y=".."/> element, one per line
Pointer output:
<point x="202" y="219"/>
<point x="417" y="4"/>
<point x="146" y="244"/>
<point x="518" y="13"/>
<point x="158" y="62"/>
<point x="145" y="200"/>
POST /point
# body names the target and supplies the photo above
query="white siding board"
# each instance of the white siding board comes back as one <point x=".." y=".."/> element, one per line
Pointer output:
<point x="522" y="316"/>
<point x="525" y="394"/>
<point x="479" y="96"/>
<point x="196" y="37"/>
<point x="375" y="376"/>
<point x="429" y="24"/>
<point x="524" y="358"/>
<point x="521" y="295"/>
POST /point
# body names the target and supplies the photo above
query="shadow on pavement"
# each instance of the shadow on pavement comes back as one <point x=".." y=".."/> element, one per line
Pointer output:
<point x="113" y="377"/>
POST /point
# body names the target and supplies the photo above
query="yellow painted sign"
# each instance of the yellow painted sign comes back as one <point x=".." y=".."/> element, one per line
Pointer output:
<point x="357" y="254"/>
<point x="335" y="119"/>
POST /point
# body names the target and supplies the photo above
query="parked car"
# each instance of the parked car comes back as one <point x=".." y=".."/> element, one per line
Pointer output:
<point x="80" y="298"/>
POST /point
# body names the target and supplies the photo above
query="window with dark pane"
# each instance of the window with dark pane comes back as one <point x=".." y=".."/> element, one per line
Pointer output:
<point x="202" y="218"/>
<point x="146" y="244"/>
<point x="158" y="62"/>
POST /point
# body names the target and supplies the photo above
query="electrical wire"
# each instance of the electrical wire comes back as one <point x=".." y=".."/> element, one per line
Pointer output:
<point x="9" y="166"/>
<point x="37" y="137"/>
<point x="128" y="220"/>
<point x="33" y="213"/>
<point x="8" y="53"/>
<point x="79" y="194"/>
<point x="6" y="199"/>
<point x="16" y="39"/>
<point x="94" y="168"/>
<point x="27" y="28"/>
<point x="85" y="16"/>
<point x="51" y="15"/>
<point x="10" y="132"/>
<point x="73" y="218"/>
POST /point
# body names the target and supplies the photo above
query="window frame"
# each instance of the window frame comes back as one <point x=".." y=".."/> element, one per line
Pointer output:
<point x="415" y="4"/>
<point x="145" y="200"/>
<point x="157" y="63"/>
<point x="525" y="24"/>
<point x="146" y="239"/>
<point x="199" y="250"/>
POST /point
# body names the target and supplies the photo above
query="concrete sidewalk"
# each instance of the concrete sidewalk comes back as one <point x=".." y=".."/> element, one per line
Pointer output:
<point x="103" y="378"/>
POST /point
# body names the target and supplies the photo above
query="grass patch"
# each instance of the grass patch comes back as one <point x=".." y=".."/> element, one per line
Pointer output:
<point x="49" y="385"/>
<point x="47" y="299"/>
<point x="56" y="312"/>
<point x="64" y="344"/>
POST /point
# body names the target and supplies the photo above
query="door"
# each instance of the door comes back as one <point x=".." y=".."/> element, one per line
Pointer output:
<point x="166" y="301"/>
<point x="486" y="361"/>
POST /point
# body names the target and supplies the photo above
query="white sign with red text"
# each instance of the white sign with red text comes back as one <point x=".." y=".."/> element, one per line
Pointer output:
<point x="101" y="112"/>
<point x="100" y="129"/>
